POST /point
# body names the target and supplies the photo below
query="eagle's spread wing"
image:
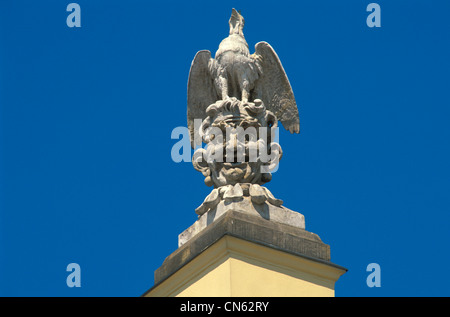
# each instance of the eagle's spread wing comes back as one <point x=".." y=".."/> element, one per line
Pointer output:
<point x="201" y="91"/>
<point x="274" y="89"/>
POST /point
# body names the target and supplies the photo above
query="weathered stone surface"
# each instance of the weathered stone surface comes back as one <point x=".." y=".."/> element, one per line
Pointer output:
<point x="241" y="147"/>
<point x="234" y="72"/>
<point x="265" y="210"/>
<point x="257" y="196"/>
<point x="235" y="101"/>
<point x="252" y="228"/>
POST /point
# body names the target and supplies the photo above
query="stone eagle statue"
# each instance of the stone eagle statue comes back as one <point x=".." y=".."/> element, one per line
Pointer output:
<point x="234" y="72"/>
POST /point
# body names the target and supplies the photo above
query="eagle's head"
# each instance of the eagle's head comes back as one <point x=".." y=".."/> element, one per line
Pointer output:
<point x="236" y="23"/>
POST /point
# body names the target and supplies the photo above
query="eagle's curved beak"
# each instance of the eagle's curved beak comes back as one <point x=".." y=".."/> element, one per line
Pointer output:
<point x="236" y="22"/>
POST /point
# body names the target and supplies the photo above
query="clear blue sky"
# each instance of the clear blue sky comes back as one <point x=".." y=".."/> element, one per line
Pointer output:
<point x="86" y="116"/>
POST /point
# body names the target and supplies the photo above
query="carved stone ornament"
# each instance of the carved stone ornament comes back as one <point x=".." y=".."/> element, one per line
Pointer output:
<point x="234" y="103"/>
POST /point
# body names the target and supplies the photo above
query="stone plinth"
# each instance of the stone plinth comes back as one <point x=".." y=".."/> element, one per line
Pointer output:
<point x="281" y="215"/>
<point x="243" y="254"/>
